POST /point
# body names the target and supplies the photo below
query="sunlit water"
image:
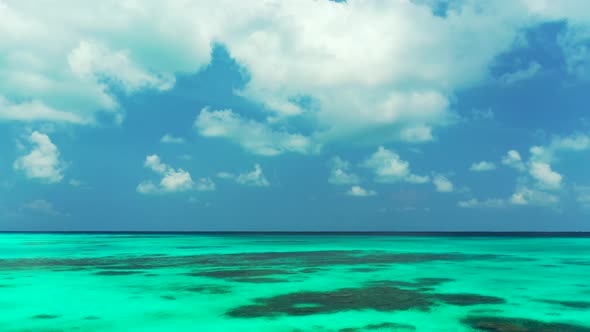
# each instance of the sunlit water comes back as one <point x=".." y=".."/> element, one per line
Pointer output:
<point x="91" y="282"/>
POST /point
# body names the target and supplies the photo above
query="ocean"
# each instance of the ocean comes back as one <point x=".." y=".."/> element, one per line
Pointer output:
<point x="293" y="282"/>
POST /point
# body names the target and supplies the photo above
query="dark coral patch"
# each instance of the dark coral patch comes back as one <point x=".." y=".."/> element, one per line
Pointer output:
<point x="91" y="317"/>
<point x="485" y="311"/>
<point x="575" y="262"/>
<point x="206" y="289"/>
<point x="310" y="303"/>
<point x="569" y="304"/>
<point x="45" y="316"/>
<point x="116" y="273"/>
<point x="381" y="327"/>
<point x="417" y="283"/>
<point x="503" y="324"/>
<point x="230" y="274"/>
<point x="468" y="299"/>
<point x="302" y="259"/>
<point x="364" y="269"/>
<point x="432" y="281"/>
<point x="376" y="297"/>
<point x="73" y="269"/>
<point x="393" y="283"/>
<point x="260" y="280"/>
<point x="390" y="326"/>
<point x="168" y="297"/>
<point x="311" y="270"/>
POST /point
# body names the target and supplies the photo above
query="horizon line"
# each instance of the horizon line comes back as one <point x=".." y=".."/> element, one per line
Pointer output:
<point x="344" y="233"/>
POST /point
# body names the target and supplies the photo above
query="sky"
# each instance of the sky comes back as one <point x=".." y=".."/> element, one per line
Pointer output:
<point x="295" y="115"/>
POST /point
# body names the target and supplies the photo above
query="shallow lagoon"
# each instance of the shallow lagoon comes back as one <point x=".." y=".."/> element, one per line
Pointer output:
<point x="168" y="282"/>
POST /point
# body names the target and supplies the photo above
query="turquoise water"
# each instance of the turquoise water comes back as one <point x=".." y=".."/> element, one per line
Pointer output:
<point x="91" y="282"/>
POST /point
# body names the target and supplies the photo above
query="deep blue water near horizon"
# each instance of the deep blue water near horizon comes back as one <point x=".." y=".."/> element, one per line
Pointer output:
<point x="376" y="281"/>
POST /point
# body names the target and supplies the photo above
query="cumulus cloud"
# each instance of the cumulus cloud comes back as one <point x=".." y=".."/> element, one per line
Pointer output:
<point x="575" y="48"/>
<point x="528" y="196"/>
<point x="205" y="184"/>
<point x="64" y="62"/>
<point x="539" y="164"/>
<point x="358" y="191"/>
<point x="545" y="176"/>
<point x="521" y="75"/>
<point x="514" y="160"/>
<point x="482" y="166"/>
<point x="65" y="65"/>
<point x="521" y="197"/>
<point x="94" y="61"/>
<point x="389" y="168"/>
<point x="173" y="180"/>
<point x="340" y="172"/>
<point x="254" y="178"/>
<point x="442" y="184"/>
<point x="417" y="134"/>
<point x="169" y="139"/>
<point x="541" y="177"/>
<point x="576" y="142"/>
<point x="256" y="137"/>
<point x="43" y="161"/>
<point x="34" y="111"/>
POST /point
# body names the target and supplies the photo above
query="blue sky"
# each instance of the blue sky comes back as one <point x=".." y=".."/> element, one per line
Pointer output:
<point x="295" y="115"/>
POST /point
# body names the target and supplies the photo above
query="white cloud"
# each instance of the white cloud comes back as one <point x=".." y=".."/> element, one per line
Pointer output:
<point x="576" y="51"/>
<point x="43" y="161"/>
<point x="442" y="184"/>
<point x="256" y="137"/>
<point x="389" y="167"/>
<point x="340" y="172"/>
<point x="406" y="81"/>
<point x="521" y="197"/>
<point x="94" y="61"/>
<point x="577" y="142"/>
<point x="514" y="160"/>
<point x="34" y="111"/>
<point x="521" y="75"/>
<point x="475" y="203"/>
<point x="574" y="142"/>
<point x="68" y="58"/>
<point x="360" y="192"/>
<point x="173" y="180"/>
<point x="545" y="176"/>
<point x="63" y="62"/>
<point x="171" y="139"/>
<point x="205" y="184"/>
<point x="417" y="134"/>
<point x="527" y="196"/>
<point x="482" y="166"/>
<point x="254" y="178"/>
<point x="154" y="163"/>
